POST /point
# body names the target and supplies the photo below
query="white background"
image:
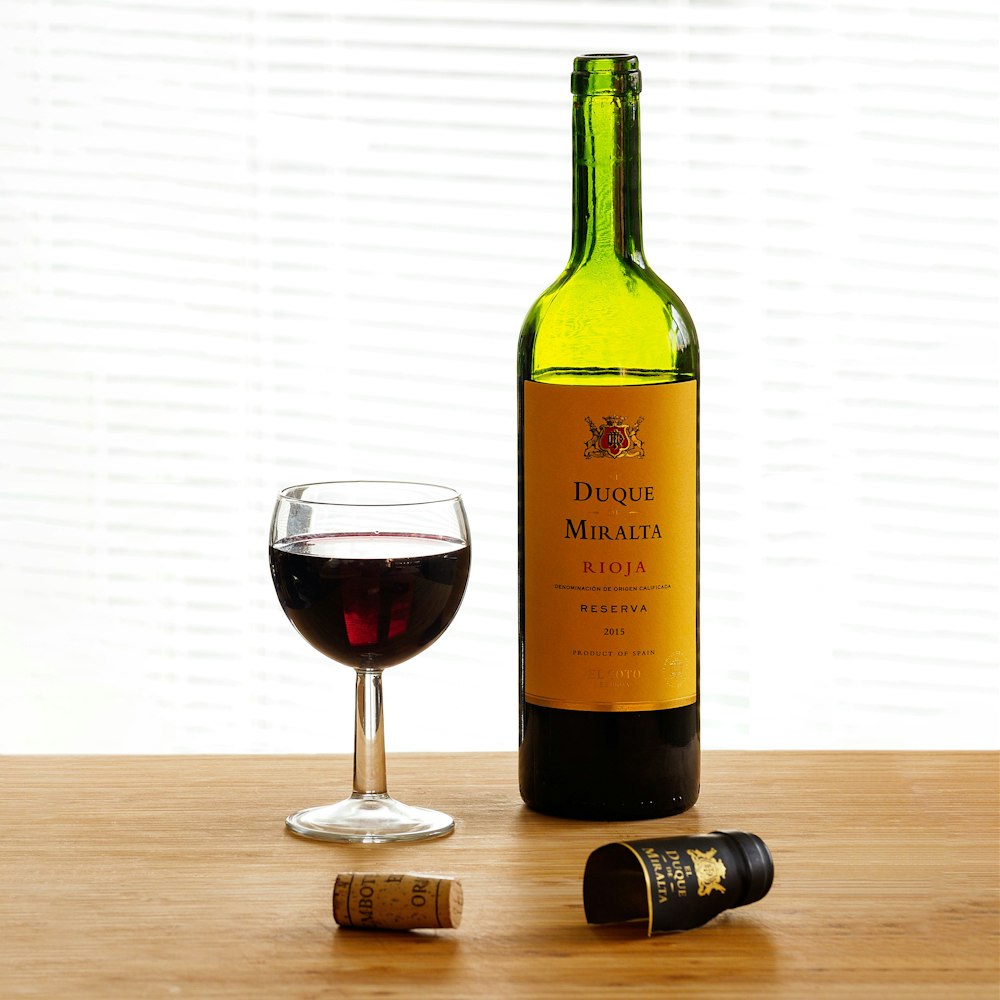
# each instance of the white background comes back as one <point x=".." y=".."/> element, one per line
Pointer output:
<point x="244" y="245"/>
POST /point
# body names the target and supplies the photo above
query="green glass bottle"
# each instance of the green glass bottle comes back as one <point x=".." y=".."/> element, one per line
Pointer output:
<point x="608" y="497"/>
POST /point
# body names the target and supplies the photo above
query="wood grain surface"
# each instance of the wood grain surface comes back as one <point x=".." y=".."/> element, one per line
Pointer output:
<point x="173" y="876"/>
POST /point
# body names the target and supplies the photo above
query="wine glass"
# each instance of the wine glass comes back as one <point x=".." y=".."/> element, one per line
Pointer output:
<point x="370" y="573"/>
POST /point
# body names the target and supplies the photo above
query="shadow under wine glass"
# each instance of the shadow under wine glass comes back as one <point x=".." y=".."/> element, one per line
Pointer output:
<point x="369" y="573"/>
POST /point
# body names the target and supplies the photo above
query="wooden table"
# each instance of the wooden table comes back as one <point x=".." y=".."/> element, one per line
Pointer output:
<point x="173" y="876"/>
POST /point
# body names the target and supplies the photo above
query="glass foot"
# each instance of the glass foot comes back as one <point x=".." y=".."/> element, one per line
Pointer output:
<point x="369" y="819"/>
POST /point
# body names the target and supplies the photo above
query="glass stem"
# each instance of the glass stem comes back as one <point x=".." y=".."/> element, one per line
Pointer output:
<point x="369" y="740"/>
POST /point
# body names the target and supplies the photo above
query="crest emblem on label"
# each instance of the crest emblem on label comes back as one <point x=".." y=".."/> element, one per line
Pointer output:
<point x="710" y="871"/>
<point x="615" y="438"/>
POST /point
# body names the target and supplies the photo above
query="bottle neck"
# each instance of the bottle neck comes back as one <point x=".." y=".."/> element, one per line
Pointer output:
<point x="607" y="194"/>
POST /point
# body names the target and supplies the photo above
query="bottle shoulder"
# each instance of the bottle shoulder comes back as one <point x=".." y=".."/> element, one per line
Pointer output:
<point x="618" y="315"/>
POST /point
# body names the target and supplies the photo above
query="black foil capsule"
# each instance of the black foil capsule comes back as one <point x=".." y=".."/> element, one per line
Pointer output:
<point x="676" y="883"/>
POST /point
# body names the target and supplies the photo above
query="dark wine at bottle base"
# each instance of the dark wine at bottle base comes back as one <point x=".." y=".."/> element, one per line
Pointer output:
<point x="608" y="497"/>
<point x="609" y="765"/>
<point x="370" y="600"/>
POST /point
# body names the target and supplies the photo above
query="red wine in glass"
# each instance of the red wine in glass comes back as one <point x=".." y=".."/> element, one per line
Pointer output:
<point x="370" y="573"/>
<point x="370" y="600"/>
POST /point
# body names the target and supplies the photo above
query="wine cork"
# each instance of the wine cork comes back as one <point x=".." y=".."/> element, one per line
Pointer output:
<point x="396" y="902"/>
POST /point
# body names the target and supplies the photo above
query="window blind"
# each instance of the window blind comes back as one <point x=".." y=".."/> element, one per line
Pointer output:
<point x="248" y="245"/>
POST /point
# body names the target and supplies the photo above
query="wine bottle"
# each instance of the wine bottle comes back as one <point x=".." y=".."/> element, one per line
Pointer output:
<point x="608" y="497"/>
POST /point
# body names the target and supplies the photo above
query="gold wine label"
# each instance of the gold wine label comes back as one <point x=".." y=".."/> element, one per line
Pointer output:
<point x="396" y="902"/>
<point x="610" y="546"/>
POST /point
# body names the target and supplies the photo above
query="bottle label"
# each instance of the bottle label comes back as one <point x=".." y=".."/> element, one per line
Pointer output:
<point x="610" y="546"/>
